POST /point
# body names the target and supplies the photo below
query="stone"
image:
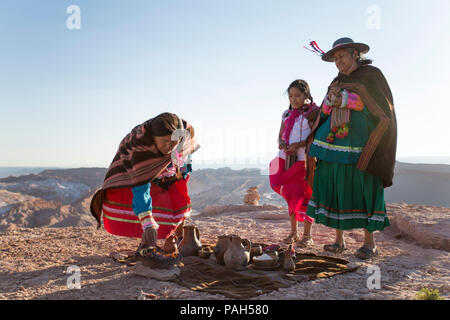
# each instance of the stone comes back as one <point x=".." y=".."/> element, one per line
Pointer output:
<point x="429" y="228"/>
<point x="158" y="274"/>
<point x="252" y="197"/>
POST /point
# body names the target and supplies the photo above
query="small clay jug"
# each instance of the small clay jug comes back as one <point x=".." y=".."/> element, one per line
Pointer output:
<point x="190" y="245"/>
<point x="170" y="245"/>
<point x="221" y="247"/>
<point x="237" y="256"/>
<point x="288" y="259"/>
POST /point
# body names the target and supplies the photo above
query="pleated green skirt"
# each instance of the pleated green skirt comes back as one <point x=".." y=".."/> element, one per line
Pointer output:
<point x="346" y="198"/>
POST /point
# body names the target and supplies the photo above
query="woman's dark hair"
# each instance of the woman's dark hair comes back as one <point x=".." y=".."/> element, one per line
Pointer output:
<point x="303" y="86"/>
<point x="165" y="124"/>
<point x="362" y="60"/>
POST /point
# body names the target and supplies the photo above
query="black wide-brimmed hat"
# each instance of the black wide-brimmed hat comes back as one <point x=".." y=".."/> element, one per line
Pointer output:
<point x="343" y="43"/>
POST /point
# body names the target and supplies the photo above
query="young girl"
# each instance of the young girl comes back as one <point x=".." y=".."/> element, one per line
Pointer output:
<point x="288" y="170"/>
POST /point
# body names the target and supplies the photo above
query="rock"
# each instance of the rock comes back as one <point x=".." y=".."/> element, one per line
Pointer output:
<point x="158" y="274"/>
<point x="429" y="228"/>
<point x="216" y="210"/>
<point x="272" y="215"/>
<point x="252" y="197"/>
<point x="346" y="292"/>
<point x="147" y="296"/>
<point x="369" y="296"/>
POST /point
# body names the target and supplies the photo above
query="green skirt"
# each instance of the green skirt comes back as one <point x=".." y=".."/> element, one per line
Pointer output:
<point x="346" y="198"/>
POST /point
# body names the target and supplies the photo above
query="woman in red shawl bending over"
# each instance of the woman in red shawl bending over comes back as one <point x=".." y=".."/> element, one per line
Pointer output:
<point x="288" y="171"/>
<point x="144" y="194"/>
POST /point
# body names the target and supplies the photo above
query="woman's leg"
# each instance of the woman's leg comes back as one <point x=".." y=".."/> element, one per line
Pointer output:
<point x="307" y="239"/>
<point x="369" y="241"/>
<point x="340" y="237"/>
<point x="294" y="226"/>
<point x="338" y="245"/>
<point x="307" y="226"/>
<point x="293" y="236"/>
<point x="369" y="249"/>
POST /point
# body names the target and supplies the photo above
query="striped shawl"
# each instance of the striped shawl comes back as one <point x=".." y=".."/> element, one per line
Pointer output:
<point x="137" y="161"/>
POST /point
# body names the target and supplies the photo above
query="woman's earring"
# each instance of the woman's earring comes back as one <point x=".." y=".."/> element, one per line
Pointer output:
<point x="307" y="101"/>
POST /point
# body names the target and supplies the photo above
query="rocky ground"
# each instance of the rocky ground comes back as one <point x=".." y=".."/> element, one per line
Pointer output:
<point x="414" y="254"/>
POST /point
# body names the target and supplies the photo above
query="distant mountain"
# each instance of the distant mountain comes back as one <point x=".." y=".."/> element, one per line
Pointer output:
<point x="56" y="197"/>
<point x="18" y="171"/>
<point x="63" y="185"/>
<point x="427" y="184"/>
<point x="61" y="197"/>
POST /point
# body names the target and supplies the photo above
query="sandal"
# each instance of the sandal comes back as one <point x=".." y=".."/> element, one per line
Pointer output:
<point x="364" y="253"/>
<point x="335" y="248"/>
<point x="291" y="238"/>
<point x="306" y="241"/>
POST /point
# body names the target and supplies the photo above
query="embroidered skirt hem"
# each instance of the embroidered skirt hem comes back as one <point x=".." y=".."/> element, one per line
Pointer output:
<point x="346" y="198"/>
<point x="169" y="208"/>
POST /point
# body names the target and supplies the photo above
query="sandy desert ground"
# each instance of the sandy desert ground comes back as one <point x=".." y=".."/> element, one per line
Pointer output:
<point x="35" y="261"/>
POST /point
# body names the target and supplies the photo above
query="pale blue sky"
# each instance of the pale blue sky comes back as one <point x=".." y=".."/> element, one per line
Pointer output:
<point x="68" y="97"/>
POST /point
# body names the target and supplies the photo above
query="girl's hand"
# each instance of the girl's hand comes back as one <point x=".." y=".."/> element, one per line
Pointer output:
<point x="282" y="146"/>
<point x="292" y="149"/>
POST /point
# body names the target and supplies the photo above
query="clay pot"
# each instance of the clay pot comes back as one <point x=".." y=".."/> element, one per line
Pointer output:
<point x="221" y="247"/>
<point x="237" y="256"/>
<point x="190" y="245"/>
<point x="255" y="251"/>
<point x="170" y="245"/>
<point x="288" y="259"/>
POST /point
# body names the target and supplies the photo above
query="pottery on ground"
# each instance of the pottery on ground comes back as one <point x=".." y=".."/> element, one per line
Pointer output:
<point x="237" y="255"/>
<point x="190" y="245"/>
<point x="221" y="247"/>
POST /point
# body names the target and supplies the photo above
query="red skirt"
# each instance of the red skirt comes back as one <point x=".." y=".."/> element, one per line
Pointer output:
<point x="169" y="208"/>
<point x="292" y="186"/>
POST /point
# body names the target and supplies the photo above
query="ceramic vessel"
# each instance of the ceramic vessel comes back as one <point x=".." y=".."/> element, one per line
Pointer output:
<point x="221" y="247"/>
<point x="170" y="245"/>
<point x="190" y="245"/>
<point x="288" y="263"/>
<point x="237" y="255"/>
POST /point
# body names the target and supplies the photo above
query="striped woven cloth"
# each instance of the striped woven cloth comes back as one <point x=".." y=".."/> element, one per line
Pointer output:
<point x="137" y="161"/>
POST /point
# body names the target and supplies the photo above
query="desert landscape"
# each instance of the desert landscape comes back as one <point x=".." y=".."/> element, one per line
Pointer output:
<point x="46" y="227"/>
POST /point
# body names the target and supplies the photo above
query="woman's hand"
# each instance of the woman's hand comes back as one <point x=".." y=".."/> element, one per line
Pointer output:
<point x="334" y="95"/>
<point x="149" y="237"/>
<point x="282" y="145"/>
<point x="293" y="148"/>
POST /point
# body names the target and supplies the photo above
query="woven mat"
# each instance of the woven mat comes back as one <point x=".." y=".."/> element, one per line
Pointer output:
<point x="207" y="276"/>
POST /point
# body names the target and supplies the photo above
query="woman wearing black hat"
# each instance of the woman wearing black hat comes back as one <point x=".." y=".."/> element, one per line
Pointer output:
<point x="355" y="145"/>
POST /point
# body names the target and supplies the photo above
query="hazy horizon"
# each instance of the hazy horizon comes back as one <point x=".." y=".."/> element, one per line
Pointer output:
<point x="71" y="92"/>
<point x="6" y="171"/>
